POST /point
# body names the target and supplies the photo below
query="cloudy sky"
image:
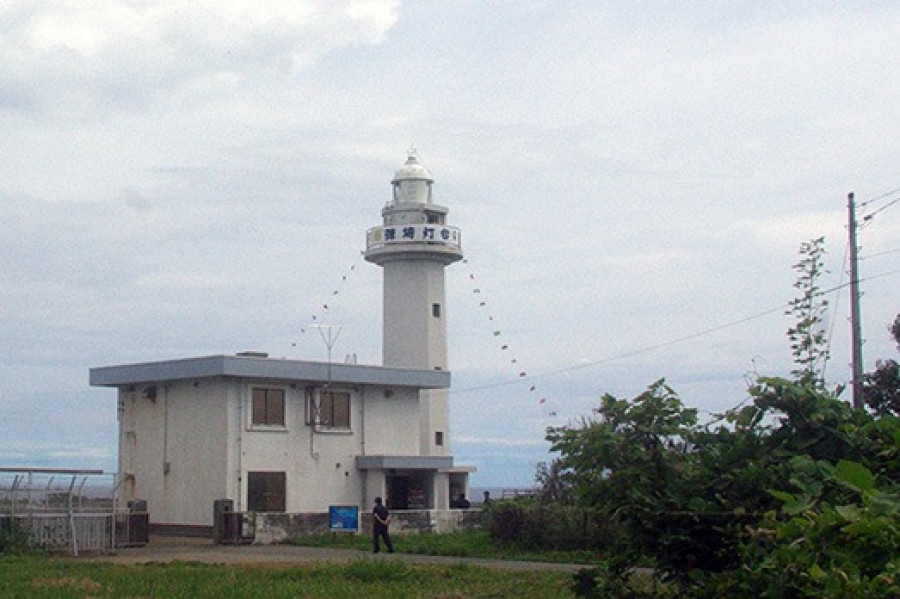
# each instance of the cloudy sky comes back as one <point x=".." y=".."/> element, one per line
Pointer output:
<point x="633" y="181"/>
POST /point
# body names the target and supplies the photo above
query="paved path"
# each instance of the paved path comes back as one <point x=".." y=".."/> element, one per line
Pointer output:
<point x="168" y="549"/>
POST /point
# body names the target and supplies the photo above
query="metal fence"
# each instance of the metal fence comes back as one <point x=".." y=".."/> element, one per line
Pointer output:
<point x="57" y="510"/>
<point x="72" y="533"/>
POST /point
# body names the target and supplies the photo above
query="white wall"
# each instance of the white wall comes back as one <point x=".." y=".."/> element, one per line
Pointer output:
<point x="392" y="423"/>
<point x="175" y="447"/>
<point x="197" y="449"/>
<point x="412" y="336"/>
<point x="434" y="415"/>
<point x="141" y="450"/>
<point x="203" y="430"/>
<point x="321" y="467"/>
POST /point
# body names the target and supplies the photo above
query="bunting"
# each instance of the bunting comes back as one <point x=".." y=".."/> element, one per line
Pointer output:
<point x="482" y="304"/>
<point x="315" y="318"/>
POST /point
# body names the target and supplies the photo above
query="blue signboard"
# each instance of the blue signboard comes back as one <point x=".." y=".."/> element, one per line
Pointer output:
<point x="343" y="518"/>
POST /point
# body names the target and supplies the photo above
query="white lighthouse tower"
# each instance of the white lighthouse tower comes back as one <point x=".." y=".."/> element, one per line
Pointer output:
<point x="414" y="245"/>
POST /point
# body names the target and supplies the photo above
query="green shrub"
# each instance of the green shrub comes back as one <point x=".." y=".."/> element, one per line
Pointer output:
<point x="817" y="547"/>
<point x="13" y="540"/>
<point x="507" y="521"/>
<point x="538" y="525"/>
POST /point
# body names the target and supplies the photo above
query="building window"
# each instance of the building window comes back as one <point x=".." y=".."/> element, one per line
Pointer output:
<point x="266" y="491"/>
<point x="333" y="410"/>
<point x="268" y="407"/>
<point x="436" y="310"/>
<point x="439" y="438"/>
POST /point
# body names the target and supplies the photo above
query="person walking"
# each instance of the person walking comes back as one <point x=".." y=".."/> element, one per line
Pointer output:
<point x="380" y="520"/>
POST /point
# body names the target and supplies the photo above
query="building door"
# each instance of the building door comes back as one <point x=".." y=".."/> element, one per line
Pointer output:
<point x="266" y="491"/>
<point x="398" y="493"/>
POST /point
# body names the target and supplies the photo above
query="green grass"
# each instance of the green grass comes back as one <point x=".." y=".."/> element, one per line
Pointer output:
<point x="477" y="543"/>
<point x="37" y="577"/>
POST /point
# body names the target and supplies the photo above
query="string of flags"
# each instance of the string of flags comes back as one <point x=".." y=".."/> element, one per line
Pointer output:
<point x="504" y="347"/>
<point x="318" y="316"/>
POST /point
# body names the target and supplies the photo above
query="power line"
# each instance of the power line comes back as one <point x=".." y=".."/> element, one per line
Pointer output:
<point x="844" y="265"/>
<point x="881" y="276"/>
<point x="868" y="218"/>
<point x="879" y="198"/>
<point x="662" y="345"/>
<point x="629" y="354"/>
<point x="876" y="254"/>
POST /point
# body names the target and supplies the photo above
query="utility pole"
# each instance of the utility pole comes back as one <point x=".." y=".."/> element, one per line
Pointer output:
<point x="855" y="321"/>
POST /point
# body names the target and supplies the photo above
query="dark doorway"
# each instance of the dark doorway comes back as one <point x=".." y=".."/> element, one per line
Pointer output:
<point x="398" y="493"/>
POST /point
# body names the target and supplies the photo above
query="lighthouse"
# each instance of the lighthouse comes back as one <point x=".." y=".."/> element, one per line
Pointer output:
<point x="413" y="245"/>
<point x="193" y="430"/>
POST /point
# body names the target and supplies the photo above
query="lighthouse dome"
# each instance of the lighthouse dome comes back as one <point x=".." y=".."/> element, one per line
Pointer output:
<point x="413" y="169"/>
<point x="412" y="182"/>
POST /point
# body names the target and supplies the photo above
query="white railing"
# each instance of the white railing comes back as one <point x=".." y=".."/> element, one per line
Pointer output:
<point x="72" y="533"/>
<point x="56" y="510"/>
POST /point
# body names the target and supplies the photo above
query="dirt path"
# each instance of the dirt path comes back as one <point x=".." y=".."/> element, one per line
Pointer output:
<point x="168" y="549"/>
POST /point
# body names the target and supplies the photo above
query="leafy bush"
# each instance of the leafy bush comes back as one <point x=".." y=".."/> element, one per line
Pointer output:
<point x="697" y="503"/>
<point x="813" y="547"/>
<point x="507" y="521"/>
<point x="538" y="525"/>
<point x="793" y="493"/>
<point x="13" y="540"/>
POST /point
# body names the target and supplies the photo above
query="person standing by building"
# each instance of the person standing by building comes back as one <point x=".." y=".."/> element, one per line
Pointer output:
<point x="380" y="520"/>
<point x="460" y="503"/>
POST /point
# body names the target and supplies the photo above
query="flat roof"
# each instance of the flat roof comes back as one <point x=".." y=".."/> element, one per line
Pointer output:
<point x="244" y="366"/>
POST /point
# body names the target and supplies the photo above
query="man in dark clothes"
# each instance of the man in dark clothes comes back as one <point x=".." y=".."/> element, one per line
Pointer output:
<point x="380" y="519"/>
<point x="460" y="502"/>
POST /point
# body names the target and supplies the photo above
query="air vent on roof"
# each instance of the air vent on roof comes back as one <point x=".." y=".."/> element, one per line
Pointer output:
<point x="252" y="354"/>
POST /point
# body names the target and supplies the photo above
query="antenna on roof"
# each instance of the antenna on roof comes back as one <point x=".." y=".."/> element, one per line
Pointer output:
<point x="329" y="334"/>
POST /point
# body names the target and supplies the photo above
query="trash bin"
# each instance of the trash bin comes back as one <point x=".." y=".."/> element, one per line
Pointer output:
<point x="133" y="526"/>
<point x="221" y="509"/>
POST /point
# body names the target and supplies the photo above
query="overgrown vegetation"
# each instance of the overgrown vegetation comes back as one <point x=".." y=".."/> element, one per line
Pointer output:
<point x="809" y="343"/>
<point x="13" y="540"/>
<point x="791" y="494"/>
<point x="881" y="388"/>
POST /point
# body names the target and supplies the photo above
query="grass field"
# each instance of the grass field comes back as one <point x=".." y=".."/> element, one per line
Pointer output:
<point x="38" y="576"/>
<point x="476" y="543"/>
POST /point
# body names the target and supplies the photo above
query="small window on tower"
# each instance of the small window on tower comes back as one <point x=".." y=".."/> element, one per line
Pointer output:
<point x="436" y="310"/>
<point x="439" y="438"/>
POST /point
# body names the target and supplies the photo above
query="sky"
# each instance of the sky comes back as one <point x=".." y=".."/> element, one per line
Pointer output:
<point x="633" y="181"/>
